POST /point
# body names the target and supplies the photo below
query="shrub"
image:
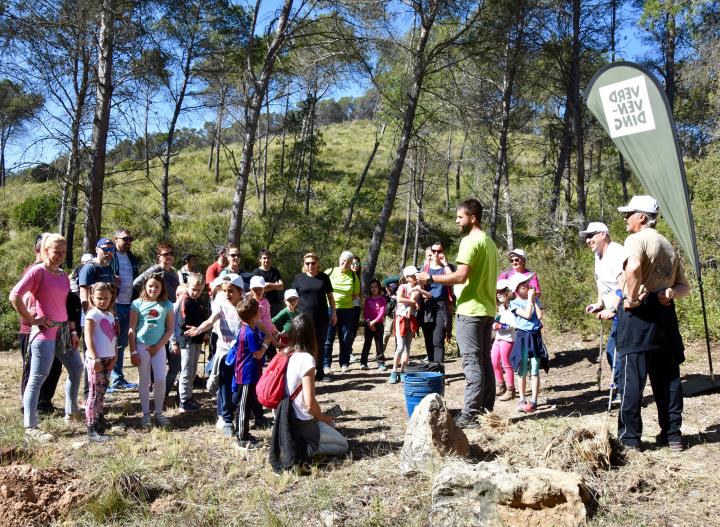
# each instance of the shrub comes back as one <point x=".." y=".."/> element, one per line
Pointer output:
<point x="41" y="211"/>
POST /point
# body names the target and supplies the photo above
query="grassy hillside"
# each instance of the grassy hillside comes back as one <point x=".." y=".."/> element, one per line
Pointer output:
<point x="200" y="211"/>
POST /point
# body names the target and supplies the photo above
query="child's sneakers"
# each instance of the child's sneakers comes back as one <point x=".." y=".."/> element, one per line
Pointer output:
<point x="146" y="421"/>
<point x="528" y="407"/>
<point x="381" y="366"/>
<point x="189" y="406"/>
<point x="402" y="376"/>
<point x="95" y="435"/>
<point x="161" y="420"/>
<point x="394" y="378"/>
<point x="500" y="389"/>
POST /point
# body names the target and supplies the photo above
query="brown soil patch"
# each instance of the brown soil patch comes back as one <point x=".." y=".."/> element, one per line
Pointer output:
<point x="32" y="496"/>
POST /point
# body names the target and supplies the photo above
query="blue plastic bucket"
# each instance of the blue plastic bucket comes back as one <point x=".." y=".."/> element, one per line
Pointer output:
<point x="419" y="384"/>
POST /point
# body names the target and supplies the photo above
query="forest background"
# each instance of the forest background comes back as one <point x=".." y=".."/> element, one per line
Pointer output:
<point x="211" y="121"/>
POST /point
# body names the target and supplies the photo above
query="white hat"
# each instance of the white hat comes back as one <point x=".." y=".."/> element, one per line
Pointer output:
<point x="594" y="227"/>
<point x="257" y="282"/>
<point x="215" y="283"/>
<point x="230" y="278"/>
<point x="410" y="270"/>
<point x="85" y="258"/>
<point x="519" y="252"/>
<point x="291" y="293"/>
<point x="517" y="279"/>
<point x="502" y="284"/>
<point x="641" y="204"/>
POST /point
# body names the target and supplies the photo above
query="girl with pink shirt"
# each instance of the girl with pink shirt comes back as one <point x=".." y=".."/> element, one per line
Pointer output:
<point x="50" y="287"/>
<point x="374" y="314"/>
<point x="504" y="327"/>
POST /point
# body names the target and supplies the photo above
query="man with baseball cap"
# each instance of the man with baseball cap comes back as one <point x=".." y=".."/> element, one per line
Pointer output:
<point x="474" y="281"/>
<point x="648" y="338"/>
<point x="609" y="259"/>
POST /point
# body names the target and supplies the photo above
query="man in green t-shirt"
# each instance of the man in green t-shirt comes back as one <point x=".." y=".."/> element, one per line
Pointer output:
<point x="474" y="282"/>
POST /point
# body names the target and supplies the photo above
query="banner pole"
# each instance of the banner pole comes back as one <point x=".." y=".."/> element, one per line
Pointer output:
<point x="707" y="330"/>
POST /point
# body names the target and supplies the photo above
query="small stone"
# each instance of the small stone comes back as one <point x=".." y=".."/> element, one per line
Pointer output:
<point x="77" y="445"/>
<point x="328" y="518"/>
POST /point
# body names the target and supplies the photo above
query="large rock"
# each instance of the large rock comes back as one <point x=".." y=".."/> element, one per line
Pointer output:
<point x="492" y="495"/>
<point x="431" y="433"/>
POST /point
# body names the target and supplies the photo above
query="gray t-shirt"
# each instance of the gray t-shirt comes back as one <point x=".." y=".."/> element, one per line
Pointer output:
<point x="125" y="272"/>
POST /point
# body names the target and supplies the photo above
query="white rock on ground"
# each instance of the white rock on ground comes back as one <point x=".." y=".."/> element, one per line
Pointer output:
<point x="491" y="494"/>
<point x="431" y="433"/>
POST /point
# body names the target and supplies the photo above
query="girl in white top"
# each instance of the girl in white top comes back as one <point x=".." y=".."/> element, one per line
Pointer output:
<point x="301" y="372"/>
<point x="100" y="356"/>
<point x="504" y="327"/>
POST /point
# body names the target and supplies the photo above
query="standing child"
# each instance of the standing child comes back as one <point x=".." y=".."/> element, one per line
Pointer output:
<point x="257" y="291"/>
<point x="100" y="356"/>
<point x="374" y="313"/>
<point x="189" y="312"/>
<point x="504" y="327"/>
<point x="528" y="353"/>
<point x="283" y="320"/>
<point x="224" y="313"/>
<point x="406" y="324"/>
<point x="246" y="356"/>
<point x="151" y="324"/>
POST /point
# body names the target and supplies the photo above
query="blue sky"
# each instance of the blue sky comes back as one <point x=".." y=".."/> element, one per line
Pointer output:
<point x="27" y="150"/>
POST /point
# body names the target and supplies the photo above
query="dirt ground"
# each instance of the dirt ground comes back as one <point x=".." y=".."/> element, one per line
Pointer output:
<point x="187" y="474"/>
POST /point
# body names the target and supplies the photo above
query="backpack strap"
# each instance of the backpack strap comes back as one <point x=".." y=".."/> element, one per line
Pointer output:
<point x="297" y="391"/>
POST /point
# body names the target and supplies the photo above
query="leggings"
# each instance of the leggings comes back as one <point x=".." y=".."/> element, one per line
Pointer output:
<point x="98" y="382"/>
<point x="189" y="356"/>
<point x="373" y="335"/>
<point x="402" y="343"/>
<point x="500" y="356"/>
<point x="156" y="364"/>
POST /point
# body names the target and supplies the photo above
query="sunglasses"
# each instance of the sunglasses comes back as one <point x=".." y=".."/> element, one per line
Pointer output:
<point x="236" y="255"/>
<point x="630" y="214"/>
<point x="311" y="263"/>
<point x="126" y="239"/>
<point x="437" y="251"/>
<point x="167" y="254"/>
<point x="108" y="249"/>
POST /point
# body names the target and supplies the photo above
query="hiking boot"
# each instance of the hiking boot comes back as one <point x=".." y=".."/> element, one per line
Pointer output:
<point x="96" y="436"/>
<point x="102" y="424"/>
<point x="394" y="378"/>
<point x="245" y="445"/>
<point x="509" y="394"/>
<point x="189" y="406"/>
<point x="38" y="436"/>
<point x="500" y="389"/>
<point x="146" y="421"/>
<point x="161" y="420"/>
<point x="468" y="422"/>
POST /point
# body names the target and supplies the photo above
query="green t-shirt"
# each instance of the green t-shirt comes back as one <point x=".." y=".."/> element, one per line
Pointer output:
<point x="283" y="320"/>
<point x="345" y="284"/>
<point x="476" y="297"/>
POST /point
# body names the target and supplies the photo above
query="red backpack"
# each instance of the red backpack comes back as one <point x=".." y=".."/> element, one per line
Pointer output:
<point x="270" y="388"/>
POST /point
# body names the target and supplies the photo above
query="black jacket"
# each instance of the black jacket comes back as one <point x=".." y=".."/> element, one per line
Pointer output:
<point x="293" y="440"/>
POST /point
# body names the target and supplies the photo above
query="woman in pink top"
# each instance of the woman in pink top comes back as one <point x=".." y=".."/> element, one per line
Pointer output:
<point x="374" y="314"/>
<point x="50" y="286"/>
<point x="518" y="261"/>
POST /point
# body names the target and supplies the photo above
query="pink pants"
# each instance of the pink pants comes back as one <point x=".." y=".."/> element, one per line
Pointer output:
<point x="500" y="356"/>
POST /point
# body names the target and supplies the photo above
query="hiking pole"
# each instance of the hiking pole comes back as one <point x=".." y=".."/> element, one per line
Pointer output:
<point x="612" y="384"/>
<point x="599" y="359"/>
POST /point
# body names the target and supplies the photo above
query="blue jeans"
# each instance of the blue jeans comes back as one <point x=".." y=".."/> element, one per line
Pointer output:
<point x="610" y="349"/>
<point x="42" y="353"/>
<point x="345" y="328"/>
<point x="123" y="314"/>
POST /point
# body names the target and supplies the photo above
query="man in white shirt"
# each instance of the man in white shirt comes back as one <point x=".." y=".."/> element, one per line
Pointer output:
<point x="609" y="259"/>
<point x="125" y="266"/>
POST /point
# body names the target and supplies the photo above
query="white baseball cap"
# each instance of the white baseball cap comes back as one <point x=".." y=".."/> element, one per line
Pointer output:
<point x="291" y="293"/>
<point x="410" y="270"/>
<point x="502" y="284"/>
<point x="257" y="282"/>
<point x="641" y="204"/>
<point x="230" y="278"/>
<point x="517" y="279"/>
<point x="594" y="227"/>
<point x="518" y="252"/>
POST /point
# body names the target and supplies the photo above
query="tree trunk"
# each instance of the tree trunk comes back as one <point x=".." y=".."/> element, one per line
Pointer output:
<point x="101" y="122"/>
<point x="564" y="153"/>
<point x="413" y="94"/>
<point x="146" y="135"/>
<point x="64" y="197"/>
<point x="251" y="120"/>
<point x="501" y="164"/>
<point x="669" y="49"/>
<point x="218" y="133"/>
<point x="358" y="187"/>
<point x="300" y="163"/>
<point x="311" y="161"/>
<point x="448" y="165"/>
<point x="623" y="177"/>
<point x="458" y="198"/>
<point x="578" y="116"/>
<point x="265" y="156"/>
<point x="406" y="235"/>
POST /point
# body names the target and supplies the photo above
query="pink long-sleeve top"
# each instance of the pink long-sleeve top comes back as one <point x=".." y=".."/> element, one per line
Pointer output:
<point x="374" y="309"/>
<point x="50" y="291"/>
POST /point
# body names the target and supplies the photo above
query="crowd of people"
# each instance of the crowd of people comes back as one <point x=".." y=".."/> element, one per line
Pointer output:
<point x="165" y="317"/>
